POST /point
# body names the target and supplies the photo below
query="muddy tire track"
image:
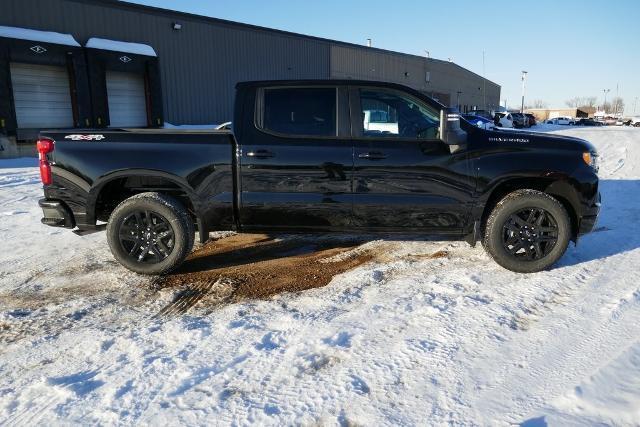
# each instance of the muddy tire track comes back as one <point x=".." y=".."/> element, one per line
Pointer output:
<point x="255" y="266"/>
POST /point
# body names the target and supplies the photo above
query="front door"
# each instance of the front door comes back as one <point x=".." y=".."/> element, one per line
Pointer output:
<point x="297" y="162"/>
<point x="404" y="175"/>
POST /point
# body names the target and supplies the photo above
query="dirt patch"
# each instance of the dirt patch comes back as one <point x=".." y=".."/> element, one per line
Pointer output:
<point x="435" y="255"/>
<point x="247" y="266"/>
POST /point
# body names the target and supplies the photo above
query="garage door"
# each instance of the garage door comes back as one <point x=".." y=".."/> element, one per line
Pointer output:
<point x="127" y="101"/>
<point x="41" y="95"/>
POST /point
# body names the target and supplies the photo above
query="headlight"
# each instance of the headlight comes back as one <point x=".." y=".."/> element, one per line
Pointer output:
<point x="591" y="159"/>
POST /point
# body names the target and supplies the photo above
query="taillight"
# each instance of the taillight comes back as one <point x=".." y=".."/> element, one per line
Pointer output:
<point x="45" y="146"/>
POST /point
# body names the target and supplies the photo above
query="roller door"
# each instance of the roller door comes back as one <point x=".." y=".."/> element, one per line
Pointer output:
<point x="127" y="100"/>
<point x="41" y="96"/>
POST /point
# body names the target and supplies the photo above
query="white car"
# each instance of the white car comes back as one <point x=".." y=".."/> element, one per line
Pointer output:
<point x="561" y="121"/>
<point x="503" y="120"/>
<point x="635" y="122"/>
<point x="379" y="121"/>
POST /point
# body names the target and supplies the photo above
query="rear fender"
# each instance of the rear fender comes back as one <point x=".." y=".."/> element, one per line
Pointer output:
<point x="181" y="183"/>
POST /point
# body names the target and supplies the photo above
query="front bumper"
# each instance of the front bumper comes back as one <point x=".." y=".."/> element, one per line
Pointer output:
<point x="56" y="214"/>
<point x="590" y="217"/>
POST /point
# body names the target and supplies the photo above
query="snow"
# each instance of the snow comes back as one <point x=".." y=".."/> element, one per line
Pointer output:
<point x="402" y="339"/>
<point x="119" y="46"/>
<point x="168" y="125"/>
<point x="38" y="36"/>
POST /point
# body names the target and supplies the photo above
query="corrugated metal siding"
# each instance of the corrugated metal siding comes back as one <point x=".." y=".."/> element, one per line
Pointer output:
<point x="200" y="64"/>
<point x="444" y="77"/>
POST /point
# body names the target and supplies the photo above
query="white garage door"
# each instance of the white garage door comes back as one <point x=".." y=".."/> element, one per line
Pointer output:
<point x="127" y="101"/>
<point x="41" y="95"/>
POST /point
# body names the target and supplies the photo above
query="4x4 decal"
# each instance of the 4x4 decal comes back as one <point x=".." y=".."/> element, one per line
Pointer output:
<point x="85" y="137"/>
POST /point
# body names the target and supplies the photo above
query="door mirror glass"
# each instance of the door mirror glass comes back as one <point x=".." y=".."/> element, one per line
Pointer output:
<point x="450" y="131"/>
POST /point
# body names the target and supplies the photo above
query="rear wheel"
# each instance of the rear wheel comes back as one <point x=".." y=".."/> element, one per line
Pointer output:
<point x="150" y="233"/>
<point x="527" y="231"/>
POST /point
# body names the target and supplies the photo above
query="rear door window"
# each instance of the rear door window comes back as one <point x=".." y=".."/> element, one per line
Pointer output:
<point x="300" y="111"/>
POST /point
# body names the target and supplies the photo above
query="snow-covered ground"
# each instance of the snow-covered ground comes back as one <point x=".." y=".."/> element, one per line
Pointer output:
<point x="431" y="333"/>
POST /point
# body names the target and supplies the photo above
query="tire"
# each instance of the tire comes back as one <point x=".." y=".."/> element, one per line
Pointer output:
<point x="522" y="244"/>
<point x="150" y="233"/>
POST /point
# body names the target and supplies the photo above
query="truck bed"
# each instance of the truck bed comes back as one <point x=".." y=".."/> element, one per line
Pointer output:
<point x="196" y="165"/>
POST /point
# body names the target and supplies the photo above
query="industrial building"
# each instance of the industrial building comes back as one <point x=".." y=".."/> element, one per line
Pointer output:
<point x="105" y="63"/>
<point x="542" y="114"/>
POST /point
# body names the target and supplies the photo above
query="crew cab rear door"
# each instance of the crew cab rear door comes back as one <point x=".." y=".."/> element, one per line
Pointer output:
<point x="296" y="160"/>
<point x="405" y="177"/>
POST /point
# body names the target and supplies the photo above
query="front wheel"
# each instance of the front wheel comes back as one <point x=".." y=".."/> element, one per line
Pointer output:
<point x="527" y="231"/>
<point x="150" y="233"/>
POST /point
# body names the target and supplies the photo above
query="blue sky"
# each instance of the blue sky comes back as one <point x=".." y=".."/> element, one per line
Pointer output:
<point x="570" y="48"/>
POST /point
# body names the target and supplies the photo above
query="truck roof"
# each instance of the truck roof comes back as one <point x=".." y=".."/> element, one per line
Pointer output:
<point x="336" y="82"/>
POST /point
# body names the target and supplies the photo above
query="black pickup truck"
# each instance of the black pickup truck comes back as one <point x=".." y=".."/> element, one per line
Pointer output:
<point x="323" y="156"/>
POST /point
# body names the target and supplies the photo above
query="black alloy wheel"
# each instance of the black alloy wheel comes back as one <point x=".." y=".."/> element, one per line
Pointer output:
<point x="527" y="231"/>
<point x="147" y="237"/>
<point x="530" y="234"/>
<point x="150" y="233"/>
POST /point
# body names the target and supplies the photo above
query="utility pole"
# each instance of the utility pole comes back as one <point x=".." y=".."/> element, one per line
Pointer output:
<point x="604" y="107"/>
<point x="524" y="79"/>
<point x="484" y="85"/>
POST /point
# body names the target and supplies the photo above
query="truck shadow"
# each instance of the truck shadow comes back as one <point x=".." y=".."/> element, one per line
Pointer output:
<point x="618" y="227"/>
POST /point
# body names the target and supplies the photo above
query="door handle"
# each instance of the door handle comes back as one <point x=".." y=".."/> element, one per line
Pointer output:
<point x="372" y="155"/>
<point x="260" y="154"/>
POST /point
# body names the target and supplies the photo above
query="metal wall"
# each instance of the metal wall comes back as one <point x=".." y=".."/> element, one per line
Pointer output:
<point x="441" y="79"/>
<point x="200" y="64"/>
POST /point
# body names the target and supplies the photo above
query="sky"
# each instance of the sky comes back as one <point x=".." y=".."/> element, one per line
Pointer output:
<point x="569" y="49"/>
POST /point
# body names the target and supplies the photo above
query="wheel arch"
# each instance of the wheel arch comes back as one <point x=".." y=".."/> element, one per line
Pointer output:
<point x="559" y="188"/>
<point x="112" y="189"/>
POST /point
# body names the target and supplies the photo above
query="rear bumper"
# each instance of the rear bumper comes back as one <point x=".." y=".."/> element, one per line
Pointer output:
<point x="590" y="217"/>
<point x="56" y="214"/>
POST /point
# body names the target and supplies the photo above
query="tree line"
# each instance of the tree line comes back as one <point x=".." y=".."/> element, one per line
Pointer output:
<point x="616" y="105"/>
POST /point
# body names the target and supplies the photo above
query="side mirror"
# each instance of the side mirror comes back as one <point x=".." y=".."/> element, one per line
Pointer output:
<point x="450" y="131"/>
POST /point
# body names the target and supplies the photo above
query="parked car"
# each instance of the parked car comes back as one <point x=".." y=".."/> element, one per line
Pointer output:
<point x="520" y="120"/>
<point x="479" y="121"/>
<point x="588" y="122"/>
<point x="483" y="113"/>
<point x="532" y="119"/>
<point x="299" y="159"/>
<point x="635" y="122"/>
<point x="503" y="120"/>
<point x="561" y="121"/>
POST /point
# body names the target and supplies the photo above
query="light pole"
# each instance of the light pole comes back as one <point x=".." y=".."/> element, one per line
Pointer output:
<point x="604" y="107"/>
<point x="524" y="79"/>
<point x="484" y="85"/>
